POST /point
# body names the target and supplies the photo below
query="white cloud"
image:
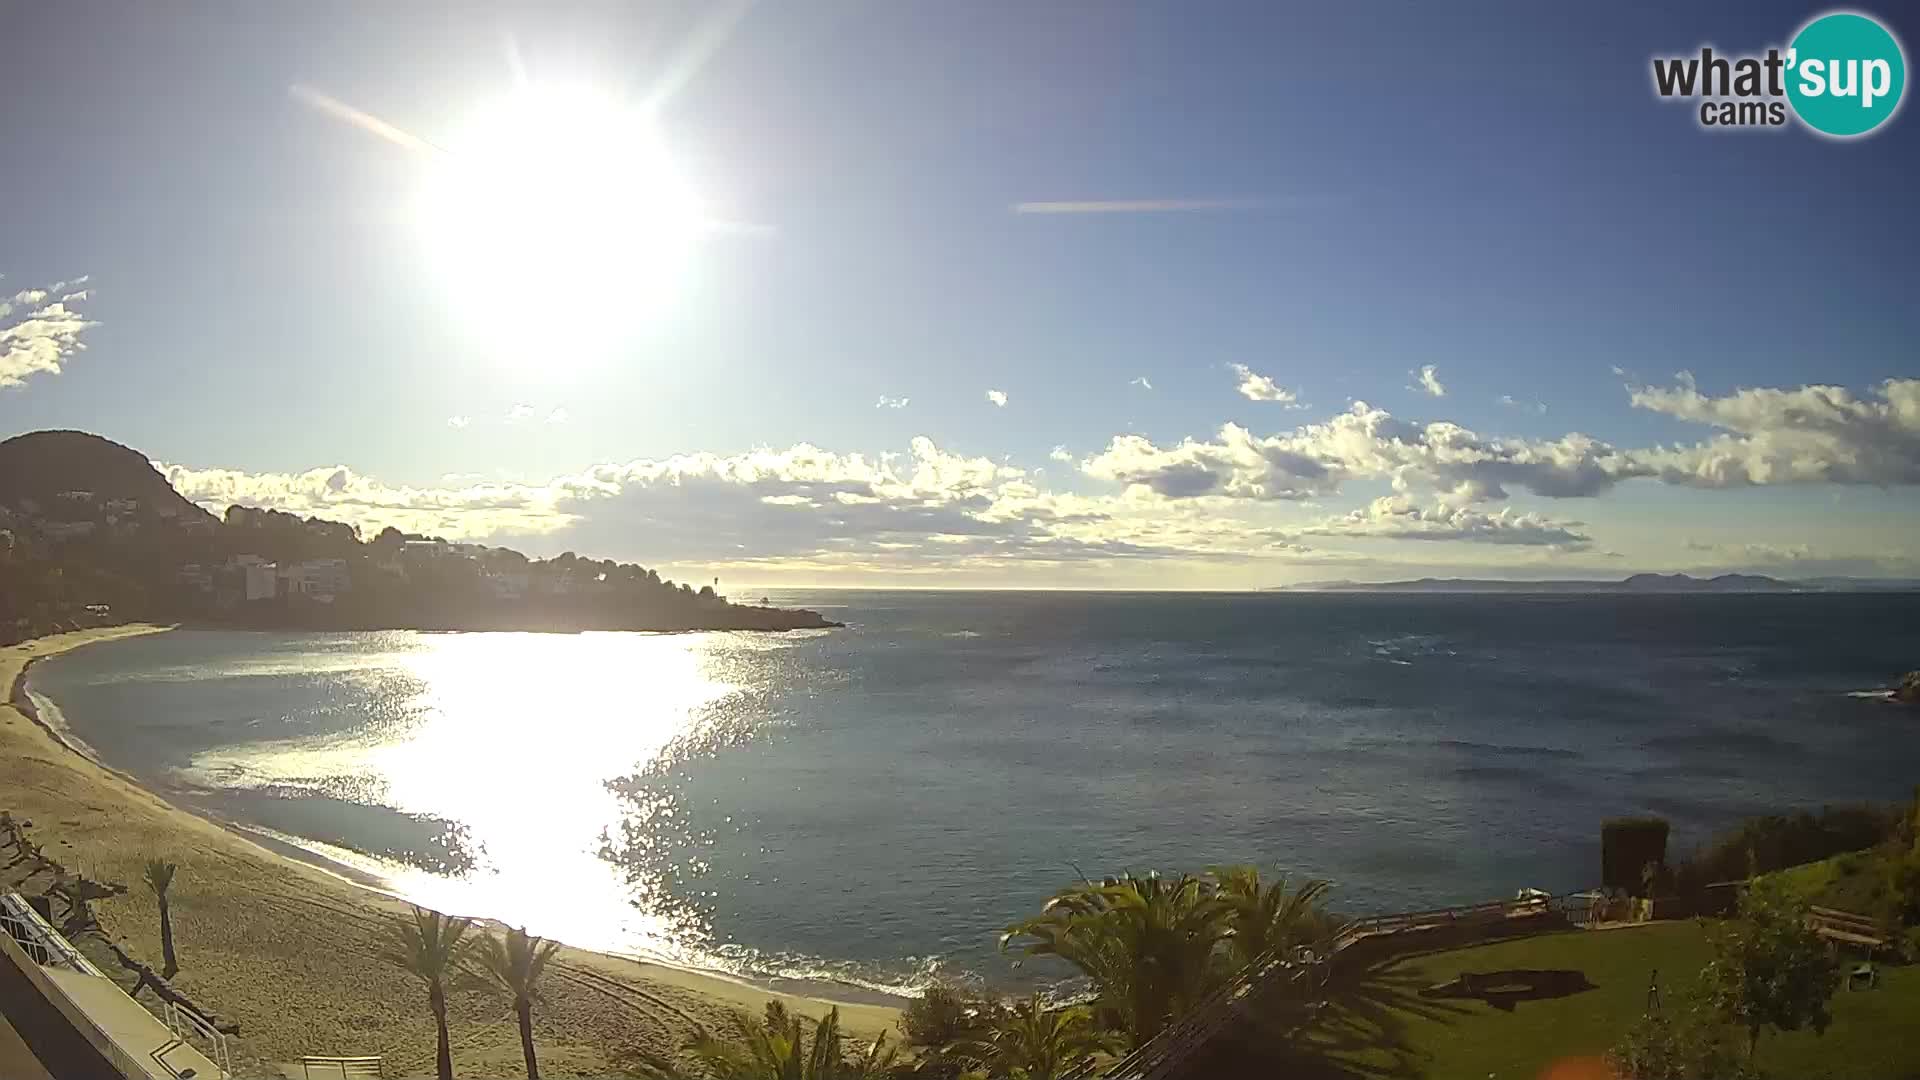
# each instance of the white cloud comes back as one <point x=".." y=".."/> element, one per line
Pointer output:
<point x="1753" y="553"/>
<point x="886" y="402"/>
<point x="1429" y="377"/>
<point x="1538" y="408"/>
<point x="1395" y="517"/>
<point x="558" y="416"/>
<point x="520" y="412"/>
<point x="925" y="509"/>
<point x="42" y="340"/>
<point x="1813" y="434"/>
<point x="459" y="423"/>
<point x="1256" y="387"/>
<point x="1363" y="442"/>
<point x="1205" y="504"/>
<point x="336" y="492"/>
<point x="1141" y="382"/>
<point x="998" y="397"/>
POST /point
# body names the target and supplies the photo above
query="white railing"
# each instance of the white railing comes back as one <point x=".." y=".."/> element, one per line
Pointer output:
<point x="42" y="942"/>
<point x="123" y="1063"/>
<point x="347" y="1068"/>
<point x="186" y="1024"/>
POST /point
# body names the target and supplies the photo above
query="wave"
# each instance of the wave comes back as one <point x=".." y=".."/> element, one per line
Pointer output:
<point x="1397" y="650"/>
<point x="50" y="717"/>
<point x="1872" y="695"/>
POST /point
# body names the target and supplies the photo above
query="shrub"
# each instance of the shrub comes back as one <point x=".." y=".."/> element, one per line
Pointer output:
<point x="945" y="1014"/>
<point x="1764" y="844"/>
<point x="1627" y="847"/>
<point x="1687" y="1047"/>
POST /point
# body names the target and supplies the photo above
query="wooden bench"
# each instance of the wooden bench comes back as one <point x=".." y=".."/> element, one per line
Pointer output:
<point x="1844" y="927"/>
<point x="348" y="1068"/>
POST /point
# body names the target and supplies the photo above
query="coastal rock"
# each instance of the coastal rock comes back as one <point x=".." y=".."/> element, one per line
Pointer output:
<point x="1909" y="691"/>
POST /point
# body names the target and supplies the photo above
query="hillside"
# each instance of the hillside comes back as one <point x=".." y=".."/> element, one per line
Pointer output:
<point x="39" y="467"/>
<point x="91" y="532"/>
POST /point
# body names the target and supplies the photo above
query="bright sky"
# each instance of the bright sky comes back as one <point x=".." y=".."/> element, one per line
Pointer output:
<point x="973" y="295"/>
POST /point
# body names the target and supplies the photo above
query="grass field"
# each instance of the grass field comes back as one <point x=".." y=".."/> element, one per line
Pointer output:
<point x="1383" y="1028"/>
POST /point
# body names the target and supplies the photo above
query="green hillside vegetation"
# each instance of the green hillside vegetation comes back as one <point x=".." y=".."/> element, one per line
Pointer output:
<point x="91" y="532"/>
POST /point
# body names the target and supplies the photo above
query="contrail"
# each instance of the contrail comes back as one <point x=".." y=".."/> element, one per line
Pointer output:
<point x="1134" y="206"/>
<point x="365" y="121"/>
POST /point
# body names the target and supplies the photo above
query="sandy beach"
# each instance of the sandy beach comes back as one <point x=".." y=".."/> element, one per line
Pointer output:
<point x="292" y="952"/>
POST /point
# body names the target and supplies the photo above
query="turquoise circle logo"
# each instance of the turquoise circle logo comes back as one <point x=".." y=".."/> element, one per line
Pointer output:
<point x="1845" y="74"/>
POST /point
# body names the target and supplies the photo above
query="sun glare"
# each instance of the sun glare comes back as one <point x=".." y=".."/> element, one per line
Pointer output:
<point x="560" y="192"/>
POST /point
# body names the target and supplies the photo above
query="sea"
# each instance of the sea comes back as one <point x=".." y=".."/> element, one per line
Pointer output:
<point x="868" y="807"/>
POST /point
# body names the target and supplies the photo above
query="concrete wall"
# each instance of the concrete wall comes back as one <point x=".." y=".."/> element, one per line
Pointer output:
<point x="33" y="1006"/>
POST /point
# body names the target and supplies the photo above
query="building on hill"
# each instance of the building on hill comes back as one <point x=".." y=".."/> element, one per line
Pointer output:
<point x="66" y="530"/>
<point x="258" y="578"/>
<point x="317" y="579"/>
<point x="424" y="549"/>
<point x="509" y="586"/>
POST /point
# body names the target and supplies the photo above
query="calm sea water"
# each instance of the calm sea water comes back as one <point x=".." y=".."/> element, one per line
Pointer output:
<point x="872" y="804"/>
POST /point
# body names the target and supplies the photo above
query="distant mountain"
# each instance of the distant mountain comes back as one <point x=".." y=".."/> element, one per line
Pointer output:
<point x="1638" y="583"/>
<point x="42" y="467"/>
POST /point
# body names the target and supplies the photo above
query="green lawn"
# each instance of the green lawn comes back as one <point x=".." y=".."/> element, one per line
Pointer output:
<point x="1383" y="1028"/>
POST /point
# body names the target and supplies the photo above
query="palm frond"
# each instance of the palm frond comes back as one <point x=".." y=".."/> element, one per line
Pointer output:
<point x="159" y="876"/>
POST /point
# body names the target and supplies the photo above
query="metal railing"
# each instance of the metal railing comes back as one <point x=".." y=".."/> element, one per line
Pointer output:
<point x="39" y="940"/>
<point x="347" y="1068"/>
<point x="117" y="1058"/>
<point x="186" y="1024"/>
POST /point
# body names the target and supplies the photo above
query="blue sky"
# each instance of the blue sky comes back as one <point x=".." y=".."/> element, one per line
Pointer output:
<point x="1490" y="190"/>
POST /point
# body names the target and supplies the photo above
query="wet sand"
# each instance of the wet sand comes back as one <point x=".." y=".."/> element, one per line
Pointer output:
<point x="292" y="951"/>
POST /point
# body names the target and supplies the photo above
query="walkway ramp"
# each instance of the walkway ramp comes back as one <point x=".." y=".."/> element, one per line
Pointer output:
<point x="79" y="1023"/>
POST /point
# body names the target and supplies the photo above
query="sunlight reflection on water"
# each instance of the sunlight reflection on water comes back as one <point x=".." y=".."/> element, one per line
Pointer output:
<point x="514" y="740"/>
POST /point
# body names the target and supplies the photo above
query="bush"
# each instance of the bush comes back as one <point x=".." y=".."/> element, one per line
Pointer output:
<point x="1688" y="1047"/>
<point x="945" y="1013"/>
<point x="942" y="1016"/>
<point x="1764" y="844"/>
<point x="1903" y="887"/>
<point x="1627" y="847"/>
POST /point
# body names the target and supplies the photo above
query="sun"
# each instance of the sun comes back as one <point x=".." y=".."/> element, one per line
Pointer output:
<point x="568" y="193"/>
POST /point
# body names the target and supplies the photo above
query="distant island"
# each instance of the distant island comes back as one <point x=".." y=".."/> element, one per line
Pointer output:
<point x="91" y="532"/>
<point x="1638" y="583"/>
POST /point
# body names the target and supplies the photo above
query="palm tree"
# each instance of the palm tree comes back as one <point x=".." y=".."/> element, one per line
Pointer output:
<point x="1033" y="1043"/>
<point x="778" y="1049"/>
<point x="1265" y="919"/>
<point x="1149" y="945"/>
<point x="516" y="966"/>
<point x="159" y="878"/>
<point x="428" y="945"/>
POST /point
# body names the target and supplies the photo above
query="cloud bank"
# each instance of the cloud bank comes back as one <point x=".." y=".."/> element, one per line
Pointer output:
<point x="1233" y="499"/>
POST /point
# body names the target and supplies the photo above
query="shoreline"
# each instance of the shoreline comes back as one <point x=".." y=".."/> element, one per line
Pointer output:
<point x="112" y="822"/>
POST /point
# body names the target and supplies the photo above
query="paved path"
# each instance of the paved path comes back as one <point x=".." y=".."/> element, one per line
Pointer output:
<point x="131" y="1027"/>
<point x="16" y="1061"/>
